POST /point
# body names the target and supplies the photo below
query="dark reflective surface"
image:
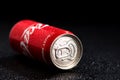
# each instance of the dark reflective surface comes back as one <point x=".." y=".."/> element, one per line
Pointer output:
<point x="100" y="61"/>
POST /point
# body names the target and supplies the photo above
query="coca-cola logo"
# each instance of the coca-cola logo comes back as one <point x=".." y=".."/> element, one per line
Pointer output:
<point x="26" y="37"/>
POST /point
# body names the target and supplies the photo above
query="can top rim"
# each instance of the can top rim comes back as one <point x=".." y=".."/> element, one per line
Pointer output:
<point x="77" y="49"/>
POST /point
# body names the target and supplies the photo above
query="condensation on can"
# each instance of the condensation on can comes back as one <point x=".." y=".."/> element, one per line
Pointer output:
<point x="46" y="43"/>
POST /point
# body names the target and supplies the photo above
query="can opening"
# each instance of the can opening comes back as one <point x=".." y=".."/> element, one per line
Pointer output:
<point x="66" y="51"/>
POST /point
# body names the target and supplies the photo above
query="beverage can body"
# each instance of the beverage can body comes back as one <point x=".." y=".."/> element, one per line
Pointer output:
<point x="46" y="43"/>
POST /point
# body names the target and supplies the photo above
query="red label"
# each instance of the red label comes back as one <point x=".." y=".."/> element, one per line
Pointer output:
<point x="26" y="36"/>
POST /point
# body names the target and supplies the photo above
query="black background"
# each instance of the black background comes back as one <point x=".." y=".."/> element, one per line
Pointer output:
<point x="98" y="30"/>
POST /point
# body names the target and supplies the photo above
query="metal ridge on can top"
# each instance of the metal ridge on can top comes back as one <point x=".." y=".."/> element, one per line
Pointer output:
<point x="46" y="43"/>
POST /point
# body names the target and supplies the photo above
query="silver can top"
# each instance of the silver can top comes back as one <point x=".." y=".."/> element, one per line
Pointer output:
<point x="66" y="51"/>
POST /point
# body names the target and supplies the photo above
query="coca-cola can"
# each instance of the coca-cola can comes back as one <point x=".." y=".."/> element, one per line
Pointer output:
<point x="48" y="44"/>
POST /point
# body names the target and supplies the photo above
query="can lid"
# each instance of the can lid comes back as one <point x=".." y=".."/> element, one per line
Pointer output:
<point x="66" y="51"/>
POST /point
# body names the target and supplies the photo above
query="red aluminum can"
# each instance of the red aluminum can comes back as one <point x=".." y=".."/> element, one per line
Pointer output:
<point x="46" y="43"/>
